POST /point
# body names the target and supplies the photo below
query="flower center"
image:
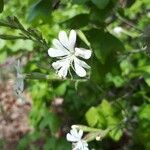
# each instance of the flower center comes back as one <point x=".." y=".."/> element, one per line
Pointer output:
<point x="72" y="56"/>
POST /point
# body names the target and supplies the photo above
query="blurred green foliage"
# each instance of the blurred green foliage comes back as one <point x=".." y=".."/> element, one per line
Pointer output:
<point x="117" y="94"/>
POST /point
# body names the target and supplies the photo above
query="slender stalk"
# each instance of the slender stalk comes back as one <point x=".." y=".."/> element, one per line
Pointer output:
<point x="38" y="76"/>
<point x="136" y="51"/>
<point x="128" y="22"/>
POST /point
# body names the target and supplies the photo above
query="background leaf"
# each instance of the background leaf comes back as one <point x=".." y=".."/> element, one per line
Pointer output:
<point x="104" y="117"/>
<point x="72" y="22"/>
<point x="104" y="44"/>
<point x="79" y="1"/>
<point x="101" y="4"/>
<point x="1" y="6"/>
<point x="40" y="10"/>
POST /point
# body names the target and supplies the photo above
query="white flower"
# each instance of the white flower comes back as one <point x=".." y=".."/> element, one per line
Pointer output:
<point x="67" y="53"/>
<point x="75" y="137"/>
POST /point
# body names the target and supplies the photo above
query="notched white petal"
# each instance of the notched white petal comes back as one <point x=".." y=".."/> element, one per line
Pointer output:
<point x="61" y="67"/>
<point x="84" y="53"/>
<point x="52" y="52"/>
<point x="74" y="132"/>
<point x="72" y="39"/>
<point x="56" y="65"/>
<point x="80" y="71"/>
<point x="62" y="73"/>
<point x="80" y="133"/>
<point x="71" y="138"/>
<point x="82" y="63"/>
<point x="58" y="45"/>
<point x="63" y="39"/>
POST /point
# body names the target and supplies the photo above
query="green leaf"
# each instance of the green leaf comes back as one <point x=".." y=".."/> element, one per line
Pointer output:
<point x="116" y="134"/>
<point x="79" y="1"/>
<point x="105" y="48"/>
<point x="100" y="16"/>
<point x="40" y="10"/>
<point x="61" y="89"/>
<point x="17" y="23"/>
<point x="112" y="120"/>
<point x="1" y="6"/>
<point x="106" y="108"/>
<point x="12" y="22"/>
<point x="72" y="23"/>
<point x="57" y="144"/>
<point x="147" y="78"/>
<point x="50" y="120"/>
<point x="31" y="137"/>
<point x="103" y="116"/>
<point x="83" y="37"/>
<point x="142" y="133"/>
<point x="146" y="38"/>
<point x="145" y="71"/>
<point x="4" y="23"/>
<point x="144" y="112"/>
<point x="126" y="66"/>
<point x="117" y="80"/>
<point x="3" y="56"/>
<point x="94" y="118"/>
<point x="101" y="4"/>
<point x="11" y="37"/>
<point x="104" y="44"/>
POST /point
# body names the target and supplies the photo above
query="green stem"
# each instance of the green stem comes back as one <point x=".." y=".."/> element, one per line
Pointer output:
<point x="40" y="76"/>
<point x="128" y="22"/>
<point x="136" y="51"/>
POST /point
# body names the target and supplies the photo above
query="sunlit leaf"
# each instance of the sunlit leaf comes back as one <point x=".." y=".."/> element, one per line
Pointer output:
<point x="116" y="134"/>
<point x="94" y="118"/>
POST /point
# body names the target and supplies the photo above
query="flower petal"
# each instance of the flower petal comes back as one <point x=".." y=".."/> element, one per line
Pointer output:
<point x="80" y="145"/>
<point x="64" y="39"/>
<point x="84" y="53"/>
<point x="58" y="45"/>
<point x="72" y="39"/>
<point x="71" y="138"/>
<point x="82" y="63"/>
<point x="80" y="133"/>
<point x="62" y="67"/>
<point x="63" y="71"/>
<point x="52" y="52"/>
<point x="57" y="65"/>
<point x="80" y="71"/>
<point x="75" y="133"/>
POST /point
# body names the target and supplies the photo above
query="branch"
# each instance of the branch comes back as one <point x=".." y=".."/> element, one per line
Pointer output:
<point x="29" y="33"/>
